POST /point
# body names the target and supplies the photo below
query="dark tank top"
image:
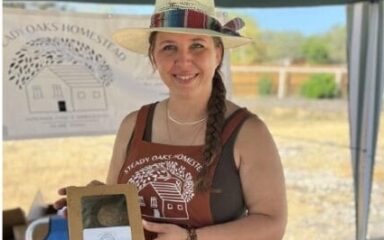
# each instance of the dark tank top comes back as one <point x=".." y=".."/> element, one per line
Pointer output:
<point x="165" y="175"/>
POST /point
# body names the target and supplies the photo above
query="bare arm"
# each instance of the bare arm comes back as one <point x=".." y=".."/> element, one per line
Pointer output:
<point x="263" y="186"/>
<point x="120" y="147"/>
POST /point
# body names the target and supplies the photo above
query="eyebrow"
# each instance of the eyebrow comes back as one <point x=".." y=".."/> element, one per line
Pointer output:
<point x="198" y="39"/>
<point x="166" y="41"/>
<point x="192" y="40"/>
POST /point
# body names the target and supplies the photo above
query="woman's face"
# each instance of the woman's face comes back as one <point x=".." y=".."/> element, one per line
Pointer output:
<point x="186" y="63"/>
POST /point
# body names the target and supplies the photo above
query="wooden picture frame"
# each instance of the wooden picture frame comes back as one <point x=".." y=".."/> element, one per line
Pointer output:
<point x="97" y="211"/>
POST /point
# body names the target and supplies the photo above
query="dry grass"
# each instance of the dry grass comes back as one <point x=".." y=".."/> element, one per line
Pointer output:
<point x="311" y="141"/>
<point x="47" y="164"/>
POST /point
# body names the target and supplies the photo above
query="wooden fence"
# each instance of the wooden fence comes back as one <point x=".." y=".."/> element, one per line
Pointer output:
<point x="286" y="80"/>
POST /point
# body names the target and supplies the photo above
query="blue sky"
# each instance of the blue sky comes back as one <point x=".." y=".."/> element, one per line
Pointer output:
<point x="306" y="20"/>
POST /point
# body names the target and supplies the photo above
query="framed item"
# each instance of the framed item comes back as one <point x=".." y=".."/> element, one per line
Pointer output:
<point x="104" y="212"/>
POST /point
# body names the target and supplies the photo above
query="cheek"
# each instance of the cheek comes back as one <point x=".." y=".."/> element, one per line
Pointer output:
<point x="209" y="62"/>
<point x="160" y="62"/>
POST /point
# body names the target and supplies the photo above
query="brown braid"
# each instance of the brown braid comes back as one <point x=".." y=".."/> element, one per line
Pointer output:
<point x="215" y="123"/>
<point x="216" y="117"/>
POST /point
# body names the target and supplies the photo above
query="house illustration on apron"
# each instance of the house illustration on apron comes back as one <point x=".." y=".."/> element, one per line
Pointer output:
<point x="166" y="200"/>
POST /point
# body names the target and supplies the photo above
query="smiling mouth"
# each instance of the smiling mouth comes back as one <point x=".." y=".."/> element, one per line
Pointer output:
<point x="185" y="78"/>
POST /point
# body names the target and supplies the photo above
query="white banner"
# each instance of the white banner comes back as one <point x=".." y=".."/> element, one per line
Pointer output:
<point x="63" y="75"/>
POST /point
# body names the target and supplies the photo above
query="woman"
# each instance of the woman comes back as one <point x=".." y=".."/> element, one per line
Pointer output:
<point x="204" y="167"/>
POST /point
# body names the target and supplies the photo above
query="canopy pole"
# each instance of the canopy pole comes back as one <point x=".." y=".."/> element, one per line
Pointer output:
<point x="365" y="48"/>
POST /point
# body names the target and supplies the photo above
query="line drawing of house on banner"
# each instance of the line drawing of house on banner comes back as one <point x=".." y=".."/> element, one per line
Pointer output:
<point x="166" y="200"/>
<point x="65" y="88"/>
<point x="61" y="75"/>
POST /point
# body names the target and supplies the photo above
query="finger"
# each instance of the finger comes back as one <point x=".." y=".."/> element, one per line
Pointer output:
<point x="62" y="202"/>
<point x="63" y="191"/>
<point x="155" y="227"/>
<point x="95" y="183"/>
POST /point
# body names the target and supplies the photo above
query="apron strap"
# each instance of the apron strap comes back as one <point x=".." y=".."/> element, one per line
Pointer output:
<point x="231" y="124"/>
<point x="141" y="122"/>
<point x="137" y="137"/>
<point x="235" y="120"/>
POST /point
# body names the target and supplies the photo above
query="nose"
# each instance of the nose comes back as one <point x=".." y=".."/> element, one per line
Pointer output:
<point x="183" y="57"/>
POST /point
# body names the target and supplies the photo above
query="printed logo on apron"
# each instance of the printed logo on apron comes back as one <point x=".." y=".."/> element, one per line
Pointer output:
<point x="167" y="184"/>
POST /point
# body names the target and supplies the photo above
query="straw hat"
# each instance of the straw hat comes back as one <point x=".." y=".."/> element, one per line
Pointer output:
<point x="182" y="16"/>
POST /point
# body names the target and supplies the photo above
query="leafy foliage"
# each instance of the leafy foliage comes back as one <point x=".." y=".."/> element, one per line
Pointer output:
<point x="42" y="52"/>
<point x="277" y="47"/>
<point x="336" y="39"/>
<point x="264" y="85"/>
<point x="282" y="45"/>
<point x="327" y="48"/>
<point x="315" y="50"/>
<point x="320" y="86"/>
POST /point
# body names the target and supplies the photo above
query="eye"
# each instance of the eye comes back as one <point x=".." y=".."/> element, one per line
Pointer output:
<point x="169" y="47"/>
<point x="197" y="45"/>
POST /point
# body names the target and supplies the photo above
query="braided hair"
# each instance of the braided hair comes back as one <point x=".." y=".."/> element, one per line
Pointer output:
<point x="216" y="117"/>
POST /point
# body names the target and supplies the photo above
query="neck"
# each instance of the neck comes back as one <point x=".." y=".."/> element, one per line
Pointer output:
<point x="187" y="111"/>
<point x="195" y="122"/>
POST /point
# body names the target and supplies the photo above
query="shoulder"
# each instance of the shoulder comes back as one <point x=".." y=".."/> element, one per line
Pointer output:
<point x="129" y="120"/>
<point x="255" y="147"/>
<point x="253" y="122"/>
<point x="254" y="140"/>
<point x="254" y="132"/>
<point x="254" y="125"/>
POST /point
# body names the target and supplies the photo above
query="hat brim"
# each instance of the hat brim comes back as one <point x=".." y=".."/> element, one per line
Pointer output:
<point x="136" y="39"/>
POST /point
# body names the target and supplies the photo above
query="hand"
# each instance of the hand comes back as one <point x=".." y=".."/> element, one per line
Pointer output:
<point x="61" y="204"/>
<point x="166" y="231"/>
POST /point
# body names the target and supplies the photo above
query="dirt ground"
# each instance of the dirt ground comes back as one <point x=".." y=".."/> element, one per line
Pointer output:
<point x="313" y="140"/>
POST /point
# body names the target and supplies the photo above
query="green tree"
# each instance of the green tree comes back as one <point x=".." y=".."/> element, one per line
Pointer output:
<point x="316" y="50"/>
<point x="282" y="45"/>
<point x="336" y="39"/>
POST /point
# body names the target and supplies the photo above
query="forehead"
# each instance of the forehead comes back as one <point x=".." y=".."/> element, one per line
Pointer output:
<point x="180" y="37"/>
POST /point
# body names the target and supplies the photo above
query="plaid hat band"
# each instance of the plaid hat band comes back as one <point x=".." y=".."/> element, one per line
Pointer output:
<point x="184" y="18"/>
<point x="195" y="17"/>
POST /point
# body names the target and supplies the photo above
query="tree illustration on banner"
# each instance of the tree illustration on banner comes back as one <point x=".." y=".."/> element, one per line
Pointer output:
<point x="43" y="52"/>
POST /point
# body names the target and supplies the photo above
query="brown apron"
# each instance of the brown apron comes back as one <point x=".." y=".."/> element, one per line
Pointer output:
<point x="165" y="176"/>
